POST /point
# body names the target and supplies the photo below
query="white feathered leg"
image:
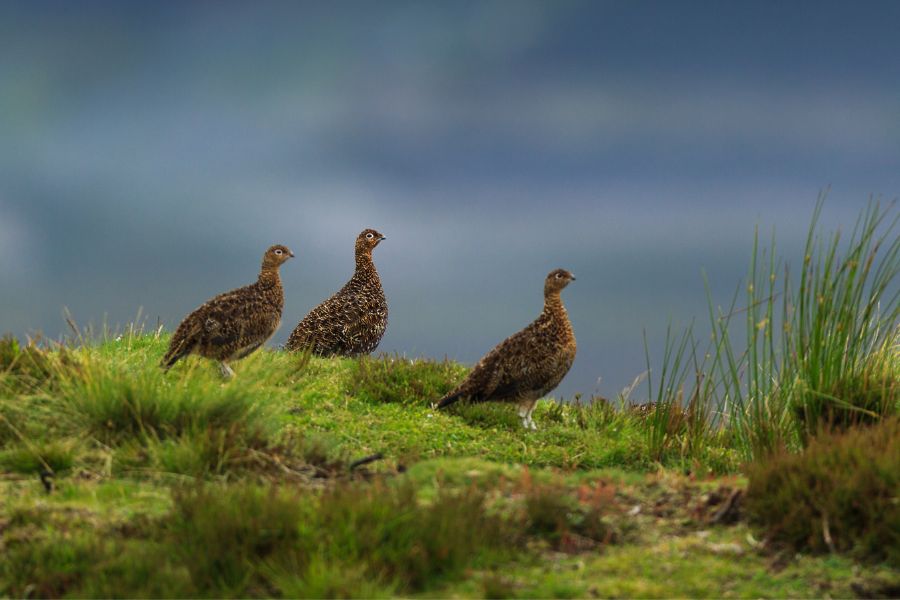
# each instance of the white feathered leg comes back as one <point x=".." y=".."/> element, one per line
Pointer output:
<point x="526" y="407"/>
<point x="225" y="370"/>
<point x="523" y="414"/>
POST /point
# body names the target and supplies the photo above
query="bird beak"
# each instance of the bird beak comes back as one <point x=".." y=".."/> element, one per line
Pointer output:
<point x="382" y="238"/>
<point x="291" y="254"/>
<point x="573" y="278"/>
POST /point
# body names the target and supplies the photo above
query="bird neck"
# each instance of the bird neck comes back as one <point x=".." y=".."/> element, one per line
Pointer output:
<point x="269" y="277"/>
<point x="364" y="262"/>
<point x="553" y="308"/>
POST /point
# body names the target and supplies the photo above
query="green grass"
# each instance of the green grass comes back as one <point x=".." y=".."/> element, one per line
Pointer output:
<point x="113" y="401"/>
<point x="185" y="485"/>
<point x="243" y="488"/>
<point x="815" y="343"/>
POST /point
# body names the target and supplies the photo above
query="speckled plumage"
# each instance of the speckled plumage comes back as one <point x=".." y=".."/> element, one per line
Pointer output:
<point x="233" y="324"/>
<point x="353" y="320"/>
<point x="527" y="365"/>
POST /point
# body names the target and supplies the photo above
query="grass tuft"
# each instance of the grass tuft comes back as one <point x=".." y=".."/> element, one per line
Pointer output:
<point x="569" y="522"/>
<point x="860" y="396"/>
<point x="353" y="540"/>
<point x="56" y="456"/>
<point x="24" y="368"/>
<point x="115" y="405"/>
<point x="818" y="350"/>
<point x="407" y="381"/>
<point x="223" y="533"/>
<point x="840" y="494"/>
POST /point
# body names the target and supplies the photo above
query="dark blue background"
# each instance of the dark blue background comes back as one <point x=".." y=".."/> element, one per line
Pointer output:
<point x="150" y="152"/>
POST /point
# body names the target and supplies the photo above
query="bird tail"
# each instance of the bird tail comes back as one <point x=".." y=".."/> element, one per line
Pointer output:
<point x="175" y="353"/>
<point x="168" y="361"/>
<point x="449" y="399"/>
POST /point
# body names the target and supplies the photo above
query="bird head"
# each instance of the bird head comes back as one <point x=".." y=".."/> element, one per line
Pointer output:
<point x="557" y="279"/>
<point x="368" y="239"/>
<point x="276" y="256"/>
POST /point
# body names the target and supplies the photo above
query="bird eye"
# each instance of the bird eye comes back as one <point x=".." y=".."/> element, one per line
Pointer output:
<point x="278" y="252"/>
<point x="559" y="275"/>
<point x="369" y="235"/>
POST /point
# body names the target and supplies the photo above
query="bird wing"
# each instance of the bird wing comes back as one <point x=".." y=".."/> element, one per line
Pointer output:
<point x="363" y="322"/>
<point x="239" y="318"/>
<point x="320" y="328"/>
<point x="492" y="377"/>
<point x="514" y="367"/>
<point x="229" y="317"/>
<point x="340" y="324"/>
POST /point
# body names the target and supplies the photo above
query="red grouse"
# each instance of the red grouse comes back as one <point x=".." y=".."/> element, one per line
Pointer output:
<point x="529" y="364"/>
<point x="351" y="322"/>
<point x="233" y="324"/>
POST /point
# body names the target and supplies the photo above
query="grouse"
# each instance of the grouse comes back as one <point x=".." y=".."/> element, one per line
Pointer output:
<point x="233" y="324"/>
<point x="527" y="365"/>
<point x="353" y="320"/>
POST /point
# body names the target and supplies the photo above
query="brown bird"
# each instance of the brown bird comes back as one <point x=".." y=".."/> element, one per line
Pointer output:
<point x="353" y="320"/>
<point x="234" y="324"/>
<point x="529" y="364"/>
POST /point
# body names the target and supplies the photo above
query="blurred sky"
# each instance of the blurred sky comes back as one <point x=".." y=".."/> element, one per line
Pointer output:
<point x="151" y="151"/>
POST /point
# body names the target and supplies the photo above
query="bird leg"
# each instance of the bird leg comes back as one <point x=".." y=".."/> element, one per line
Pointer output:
<point x="526" y="407"/>
<point x="523" y="414"/>
<point x="225" y="370"/>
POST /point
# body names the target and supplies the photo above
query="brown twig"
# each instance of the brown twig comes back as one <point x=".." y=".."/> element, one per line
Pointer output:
<point x="364" y="461"/>
<point x="826" y="533"/>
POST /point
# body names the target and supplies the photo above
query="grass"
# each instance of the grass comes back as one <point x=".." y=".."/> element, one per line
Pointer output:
<point x="460" y="527"/>
<point x="117" y="480"/>
<point x="840" y="494"/>
<point x="24" y="368"/>
<point x="244" y="539"/>
<point x="403" y="380"/>
<point x="819" y="347"/>
<point x="466" y="503"/>
<point x="119" y="409"/>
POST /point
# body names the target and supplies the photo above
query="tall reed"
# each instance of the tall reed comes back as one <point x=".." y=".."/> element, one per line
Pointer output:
<point x="818" y="350"/>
